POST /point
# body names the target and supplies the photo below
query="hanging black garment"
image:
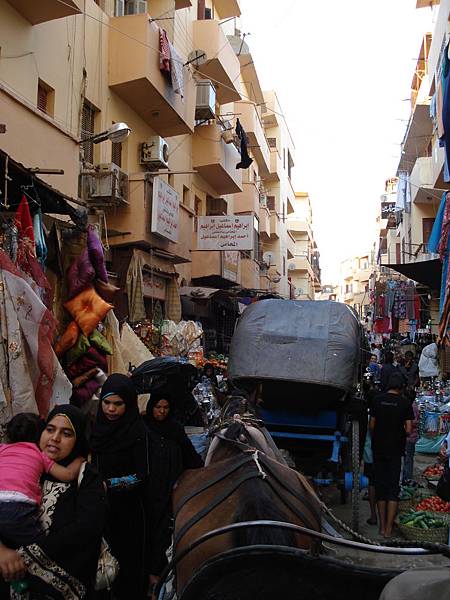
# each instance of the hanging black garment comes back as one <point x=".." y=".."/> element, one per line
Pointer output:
<point x="246" y="161"/>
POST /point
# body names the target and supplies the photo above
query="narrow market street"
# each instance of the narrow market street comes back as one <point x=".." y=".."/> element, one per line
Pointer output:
<point x="224" y="300"/>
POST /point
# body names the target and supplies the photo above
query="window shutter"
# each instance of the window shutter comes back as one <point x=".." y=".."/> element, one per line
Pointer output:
<point x="271" y="202"/>
<point x="272" y="142"/>
<point x="87" y="130"/>
<point x="116" y="154"/>
<point x="42" y="98"/>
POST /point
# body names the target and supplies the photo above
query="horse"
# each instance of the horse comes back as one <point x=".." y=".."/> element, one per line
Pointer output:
<point x="245" y="478"/>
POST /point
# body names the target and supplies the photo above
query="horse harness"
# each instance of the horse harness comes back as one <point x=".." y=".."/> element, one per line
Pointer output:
<point x="264" y="470"/>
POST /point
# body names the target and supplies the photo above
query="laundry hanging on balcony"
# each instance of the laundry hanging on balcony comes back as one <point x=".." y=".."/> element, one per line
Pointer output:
<point x="170" y="63"/>
<point x="246" y="161"/>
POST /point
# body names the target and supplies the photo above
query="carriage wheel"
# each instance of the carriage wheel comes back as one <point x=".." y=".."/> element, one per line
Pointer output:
<point x="356" y="473"/>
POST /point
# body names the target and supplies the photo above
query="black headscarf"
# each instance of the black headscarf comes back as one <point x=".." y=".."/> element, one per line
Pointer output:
<point x="169" y="428"/>
<point x="78" y="422"/>
<point x="115" y="436"/>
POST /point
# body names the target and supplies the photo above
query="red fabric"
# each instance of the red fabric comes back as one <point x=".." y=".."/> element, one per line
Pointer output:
<point x="382" y="325"/>
<point x="92" y="358"/>
<point x="26" y="252"/>
<point x="417" y="307"/>
<point x="164" y="51"/>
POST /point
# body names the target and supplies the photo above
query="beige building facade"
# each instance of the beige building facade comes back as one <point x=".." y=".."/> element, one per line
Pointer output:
<point x="304" y="265"/>
<point x="355" y="275"/>
<point x="70" y="70"/>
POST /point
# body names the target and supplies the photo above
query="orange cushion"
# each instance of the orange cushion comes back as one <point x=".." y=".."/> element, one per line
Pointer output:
<point x="68" y="339"/>
<point x="88" y="309"/>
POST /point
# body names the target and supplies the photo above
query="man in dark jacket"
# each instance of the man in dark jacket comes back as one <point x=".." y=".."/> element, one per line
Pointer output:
<point x="391" y="417"/>
<point x="386" y="370"/>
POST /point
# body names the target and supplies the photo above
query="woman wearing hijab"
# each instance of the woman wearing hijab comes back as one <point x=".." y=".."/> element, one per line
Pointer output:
<point x="171" y="452"/>
<point x="120" y="452"/>
<point x="62" y="563"/>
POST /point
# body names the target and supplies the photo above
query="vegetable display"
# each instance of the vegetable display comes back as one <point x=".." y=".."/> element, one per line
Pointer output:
<point x="421" y="520"/>
<point x="433" y="504"/>
<point x="434" y="471"/>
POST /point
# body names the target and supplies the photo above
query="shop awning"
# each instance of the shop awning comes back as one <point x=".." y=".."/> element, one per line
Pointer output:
<point x="39" y="194"/>
<point x="199" y="293"/>
<point x="426" y="272"/>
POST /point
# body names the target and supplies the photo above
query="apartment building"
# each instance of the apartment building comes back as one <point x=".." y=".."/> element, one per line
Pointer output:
<point x="421" y="168"/>
<point x="70" y="70"/>
<point x="355" y="275"/>
<point x="304" y="265"/>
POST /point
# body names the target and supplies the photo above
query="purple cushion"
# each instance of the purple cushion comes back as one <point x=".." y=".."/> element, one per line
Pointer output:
<point x="96" y="254"/>
<point x="92" y="358"/>
<point x="85" y="392"/>
<point x="80" y="274"/>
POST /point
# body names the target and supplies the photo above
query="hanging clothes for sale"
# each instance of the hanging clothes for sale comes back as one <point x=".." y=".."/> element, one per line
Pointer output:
<point x="438" y="246"/>
<point x="27" y="261"/>
<point x="246" y="161"/>
<point x="446" y="107"/>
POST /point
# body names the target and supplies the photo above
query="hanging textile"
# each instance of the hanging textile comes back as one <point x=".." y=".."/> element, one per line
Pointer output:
<point x="176" y="71"/>
<point x="446" y="107"/>
<point x="26" y="254"/>
<point x="164" y="52"/>
<point x="135" y="287"/>
<point x="173" y="305"/>
<point x="436" y="245"/>
<point x="245" y="161"/>
<point x="35" y="377"/>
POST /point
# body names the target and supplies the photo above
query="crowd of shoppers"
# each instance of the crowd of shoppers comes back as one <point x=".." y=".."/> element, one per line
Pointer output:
<point x="74" y="498"/>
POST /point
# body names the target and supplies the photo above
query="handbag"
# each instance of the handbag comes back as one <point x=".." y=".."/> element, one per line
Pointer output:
<point x="443" y="486"/>
<point x="108" y="566"/>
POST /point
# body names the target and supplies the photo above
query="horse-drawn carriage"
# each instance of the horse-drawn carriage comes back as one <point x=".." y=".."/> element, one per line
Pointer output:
<point x="304" y="360"/>
<point x="249" y="527"/>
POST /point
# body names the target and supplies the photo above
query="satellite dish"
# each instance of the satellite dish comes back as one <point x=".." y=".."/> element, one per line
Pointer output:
<point x="298" y="292"/>
<point x="197" y="58"/>
<point x="291" y="267"/>
<point x="269" y="258"/>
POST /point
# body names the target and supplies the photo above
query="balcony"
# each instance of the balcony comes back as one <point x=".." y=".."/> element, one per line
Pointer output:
<point x="300" y="262"/>
<point x="274" y="226"/>
<point x="251" y="122"/>
<point x="348" y="296"/>
<point x="221" y="64"/>
<point x="264" y="224"/>
<point x="248" y="200"/>
<point x="418" y="135"/>
<point x="209" y="269"/>
<point x="423" y="183"/>
<point x="216" y="161"/>
<point x="276" y="166"/>
<point x="134" y="75"/>
<point x="227" y="8"/>
<point x="41" y="11"/>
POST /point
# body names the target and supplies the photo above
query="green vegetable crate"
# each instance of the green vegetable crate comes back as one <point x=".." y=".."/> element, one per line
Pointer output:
<point x="423" y="527"/>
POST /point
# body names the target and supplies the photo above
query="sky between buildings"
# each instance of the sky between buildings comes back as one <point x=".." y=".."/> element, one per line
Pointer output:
<point x="342" y="71"/>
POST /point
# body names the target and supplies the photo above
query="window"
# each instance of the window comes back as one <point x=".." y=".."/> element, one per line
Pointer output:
<point x="45" y="98"/>
<point x="88" y="130"/>
<point x="398" y="254"/>
<point x="116" y="154"/>
<point x="284" y="266"/>
<point x="284" y="158"/>
<point x="197" y="210"/>
<point x="186" y="197"/>
<point x="272" y="142"/>
<point x="427" y="226"/>
<point x="290" y="164"/>
<point x="271" y="202"/>
<point x="216" y="206"/>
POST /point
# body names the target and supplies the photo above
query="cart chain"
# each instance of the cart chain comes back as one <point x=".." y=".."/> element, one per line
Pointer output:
<point x="345" y="527"/>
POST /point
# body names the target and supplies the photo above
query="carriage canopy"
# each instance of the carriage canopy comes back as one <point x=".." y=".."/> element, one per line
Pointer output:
<point x="300" y="341"/>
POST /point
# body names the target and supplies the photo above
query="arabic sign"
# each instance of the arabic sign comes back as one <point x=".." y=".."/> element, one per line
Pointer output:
<point x="225" y="233"/>
<point x="153" y="286"/>
<point x="165" y="210"/>
<point x="387" y="209"/>
<point x="230" y="265"/>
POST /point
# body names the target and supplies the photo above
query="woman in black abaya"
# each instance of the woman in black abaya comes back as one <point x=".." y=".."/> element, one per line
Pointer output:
<point x="171" y="452"/>
<point x="120" y="452"/>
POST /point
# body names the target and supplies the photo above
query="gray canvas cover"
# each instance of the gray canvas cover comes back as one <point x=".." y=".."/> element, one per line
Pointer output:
<point x="299" y="341"/>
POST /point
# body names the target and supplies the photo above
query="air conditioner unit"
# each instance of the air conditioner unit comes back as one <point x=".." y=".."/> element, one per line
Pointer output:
<point x="155" y="153"/>
<point x="205" y="106"/>
<point x="108" y="186"/>
<point x="263" y="199"/>
<point x="135" y="7"/>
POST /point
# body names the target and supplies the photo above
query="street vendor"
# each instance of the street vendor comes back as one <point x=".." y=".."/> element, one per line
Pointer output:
<point x="391" y="419"/>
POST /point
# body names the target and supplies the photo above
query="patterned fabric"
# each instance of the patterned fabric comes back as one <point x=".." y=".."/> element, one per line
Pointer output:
<point x="173" y="307"/>
<point x="40" y="565"/>
<point x="51" y="492"/>
<point x="164" y="52"/>
<point x="135" y="285"/>
<point x="32" y="379"/>
<point x="176" y="71"/>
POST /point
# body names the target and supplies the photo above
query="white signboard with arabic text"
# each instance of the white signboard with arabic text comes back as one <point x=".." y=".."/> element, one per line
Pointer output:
<point x="228" y="232"/>
<point x="165" y="210"/>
